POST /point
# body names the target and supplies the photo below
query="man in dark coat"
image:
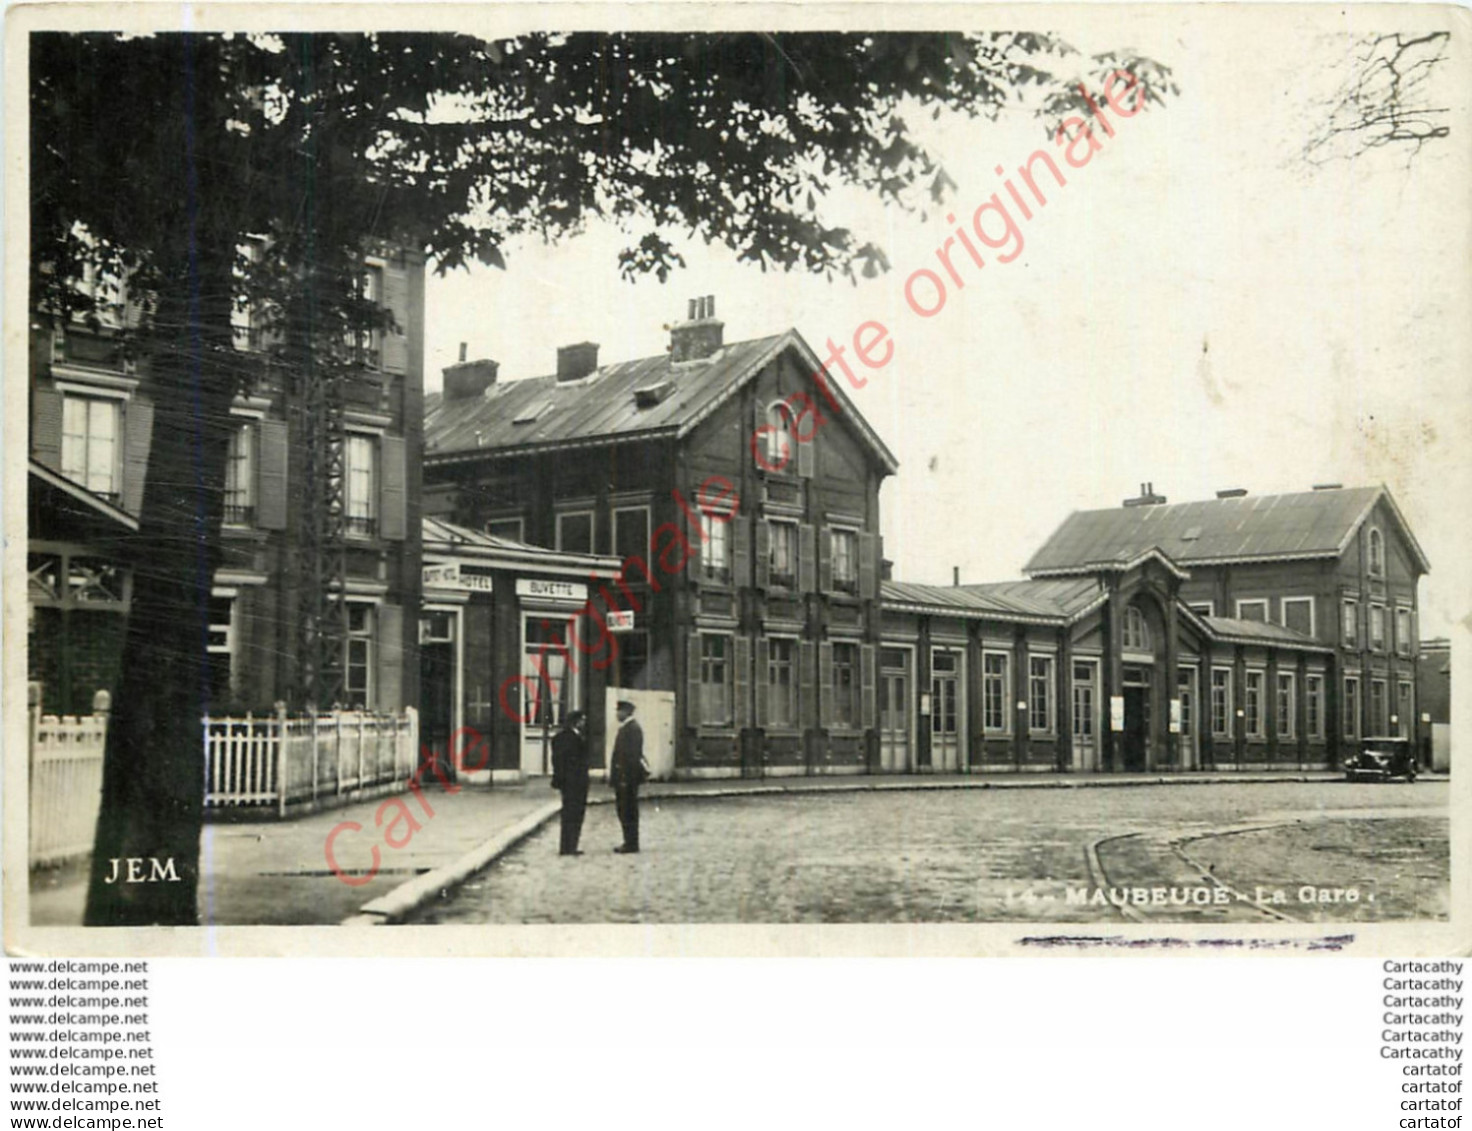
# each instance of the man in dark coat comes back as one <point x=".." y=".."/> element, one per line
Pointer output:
<point x="570" y="777"/>
<point x="627" y="772"/>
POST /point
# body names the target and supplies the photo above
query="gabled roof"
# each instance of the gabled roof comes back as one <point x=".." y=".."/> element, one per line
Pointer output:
<point x="1306" y="524"/>
<point x="603" y="407"/>
<point x="1029" y="602"/>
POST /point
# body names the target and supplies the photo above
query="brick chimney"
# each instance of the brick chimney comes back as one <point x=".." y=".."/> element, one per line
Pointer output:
<point x="576" y="361"/>
<point x="469" y="379"/>
<point x="699" y="336"/>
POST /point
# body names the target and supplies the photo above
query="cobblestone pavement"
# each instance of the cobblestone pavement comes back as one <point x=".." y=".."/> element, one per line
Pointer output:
<point x="987" y="856"/>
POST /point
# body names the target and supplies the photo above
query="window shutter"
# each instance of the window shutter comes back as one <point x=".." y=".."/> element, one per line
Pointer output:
<point x="693" y="569"/>
<point x="806" y="558"/>
<point x="135" y="454"/>
<point x="806" y="455"/>
<point x="868" y="566"/>
<point x="46" y="427"/>
<point x="396" y="298"/>
<point x="390" y="648"/>
<point x="692" y="680"/>
<point x="271" y="505"/>
<point x="825" y="684"/>
<point x="391" y="500"/>
<point x="866" y="662"/>
<point x="763" y="554"/>
<point x="825" y="560"/>
<point x="761" y="678"/>
<point x="740" y="529"/>
<point x="808" y="684"/>
<point x="741" y="659"/>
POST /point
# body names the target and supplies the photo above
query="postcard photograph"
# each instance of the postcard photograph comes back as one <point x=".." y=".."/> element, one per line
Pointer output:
<point x="981" y="475"/>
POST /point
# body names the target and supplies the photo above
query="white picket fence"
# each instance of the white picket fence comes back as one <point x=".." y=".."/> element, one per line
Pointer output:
<point x="65" y="783"/>
<point x="263" y="762"/>
<point x="273" y="761"/>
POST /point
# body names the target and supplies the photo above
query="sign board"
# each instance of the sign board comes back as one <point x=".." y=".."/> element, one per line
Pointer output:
<point x="619" y="620"/>
<point x="1116" y="712"/>
<point x="441" y="575"/>
<point x="539" y="589"/>
<point x="925" y="702"/>
<point x="452" y="575"/>
<point x="1175" y="716"/>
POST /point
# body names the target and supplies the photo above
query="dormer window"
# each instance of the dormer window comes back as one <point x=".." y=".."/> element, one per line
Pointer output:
<point x="1377" y="553"/>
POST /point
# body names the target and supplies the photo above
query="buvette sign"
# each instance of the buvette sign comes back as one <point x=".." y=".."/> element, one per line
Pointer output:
<point x="551" y="590"/>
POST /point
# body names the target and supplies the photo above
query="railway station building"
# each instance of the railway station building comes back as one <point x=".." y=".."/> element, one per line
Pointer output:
<point x="753" y="604"/>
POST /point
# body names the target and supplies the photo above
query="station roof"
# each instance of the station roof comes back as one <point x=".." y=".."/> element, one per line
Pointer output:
<point x="1052" y="601"/>
<point x="447" y="539"/>
<point x="647" y="398"/>
<point x="1235" y="631"/>
<point x="1305" y="524"/>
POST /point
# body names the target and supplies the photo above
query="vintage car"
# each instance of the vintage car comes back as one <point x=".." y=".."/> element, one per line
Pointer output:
<point x="1381" y="759"/>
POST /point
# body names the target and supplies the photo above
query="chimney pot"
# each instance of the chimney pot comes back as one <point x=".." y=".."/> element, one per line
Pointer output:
<point x="701" y="336"/>
<point x="1232" y="493"/>
<point x="463" y="346"/>
<point x="955" y="576"/>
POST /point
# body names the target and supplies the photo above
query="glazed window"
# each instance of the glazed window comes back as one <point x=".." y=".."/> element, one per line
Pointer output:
<point x="1221" y="702"/>
<point x="240" y="494"/>
<point x="1287" y="704"/>
<point x="1136" y="631"/>
<point x="90" y="451"/>
<point x="1313" y="705"/>
<point x="994" y="691"/>
<point x="1253" y="703"/>
<point x="1040" y="693"/>
<point x="360" y="472"/>
<point x="1351" y="623"/>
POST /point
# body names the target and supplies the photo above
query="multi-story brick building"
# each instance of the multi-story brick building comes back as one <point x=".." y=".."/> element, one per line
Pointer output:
<point x="92" y="411"/>
<point x="743" y="502"/>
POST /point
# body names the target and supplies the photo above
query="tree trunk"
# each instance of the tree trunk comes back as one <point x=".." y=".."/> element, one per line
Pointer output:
<point x="153" y="775"/>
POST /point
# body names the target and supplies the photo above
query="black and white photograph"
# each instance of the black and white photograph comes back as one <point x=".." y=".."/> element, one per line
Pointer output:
<point x="496" y="478"/>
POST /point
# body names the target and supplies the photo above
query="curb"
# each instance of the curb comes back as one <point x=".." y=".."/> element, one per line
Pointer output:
<point x="413" y="894"/>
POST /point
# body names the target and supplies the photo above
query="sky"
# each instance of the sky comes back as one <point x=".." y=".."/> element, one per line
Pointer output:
<point x="1197" y="308"/>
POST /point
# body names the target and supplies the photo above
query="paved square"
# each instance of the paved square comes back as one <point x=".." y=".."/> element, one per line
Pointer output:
<point x="990" y="856"/>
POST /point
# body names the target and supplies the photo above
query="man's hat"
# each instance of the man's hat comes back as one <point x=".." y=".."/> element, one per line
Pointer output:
<point x="625" y="703"/>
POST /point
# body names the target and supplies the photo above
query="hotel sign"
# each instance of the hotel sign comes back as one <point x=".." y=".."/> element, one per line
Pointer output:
<point x="450" y="575"/>
<point x="540" y="590"/>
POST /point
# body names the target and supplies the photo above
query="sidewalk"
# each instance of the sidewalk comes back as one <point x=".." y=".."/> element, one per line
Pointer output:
<point x="276" y="872"/>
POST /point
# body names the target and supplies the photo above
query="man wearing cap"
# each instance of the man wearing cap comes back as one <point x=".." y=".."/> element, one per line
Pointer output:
<point x="570" y="777"/>
<point x="627" y="772"/>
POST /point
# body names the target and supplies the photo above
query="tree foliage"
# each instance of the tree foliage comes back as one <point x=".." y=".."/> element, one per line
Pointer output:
<point x="155" y="157"/>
